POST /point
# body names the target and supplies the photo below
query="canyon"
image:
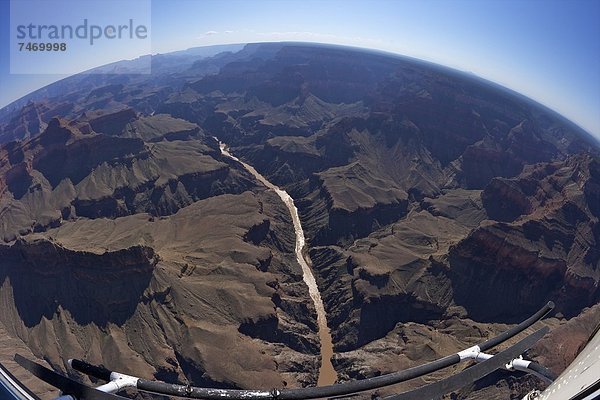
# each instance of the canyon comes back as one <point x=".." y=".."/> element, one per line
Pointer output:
<point x="436" y="210"/>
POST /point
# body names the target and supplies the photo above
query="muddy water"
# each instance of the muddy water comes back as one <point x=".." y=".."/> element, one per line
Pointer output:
<point x="327" y="374"/>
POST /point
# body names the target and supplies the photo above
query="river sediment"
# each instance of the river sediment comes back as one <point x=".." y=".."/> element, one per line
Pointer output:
<point x="327" y="374"/>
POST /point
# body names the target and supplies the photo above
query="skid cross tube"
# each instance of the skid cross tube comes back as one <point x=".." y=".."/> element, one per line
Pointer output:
<point x="437" y="389"/>
<point x="322" y="391"/>
<point x="69" y="387"/>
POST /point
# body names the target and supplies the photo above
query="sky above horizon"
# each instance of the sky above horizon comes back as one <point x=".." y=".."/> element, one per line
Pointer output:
<point x="547" y="50"/>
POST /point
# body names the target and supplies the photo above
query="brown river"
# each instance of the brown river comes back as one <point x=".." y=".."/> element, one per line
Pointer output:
<point x="327" y="374"/>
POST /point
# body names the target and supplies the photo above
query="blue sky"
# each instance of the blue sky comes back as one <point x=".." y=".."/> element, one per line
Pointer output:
<point x="548" y="50"/>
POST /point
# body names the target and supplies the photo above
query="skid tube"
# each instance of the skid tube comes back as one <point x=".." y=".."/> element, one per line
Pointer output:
<point x="334" y="390"/>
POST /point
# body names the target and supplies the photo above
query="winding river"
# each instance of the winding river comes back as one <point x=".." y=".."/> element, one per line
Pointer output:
<point x="327" y="374"/>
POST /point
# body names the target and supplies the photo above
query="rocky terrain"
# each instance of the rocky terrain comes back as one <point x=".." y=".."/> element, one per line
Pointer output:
<point x="161" y="256"/>
<point x="439" y="209"/>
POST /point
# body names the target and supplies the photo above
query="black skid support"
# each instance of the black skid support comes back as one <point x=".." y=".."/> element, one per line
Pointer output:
<point x="341" y="389"/>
